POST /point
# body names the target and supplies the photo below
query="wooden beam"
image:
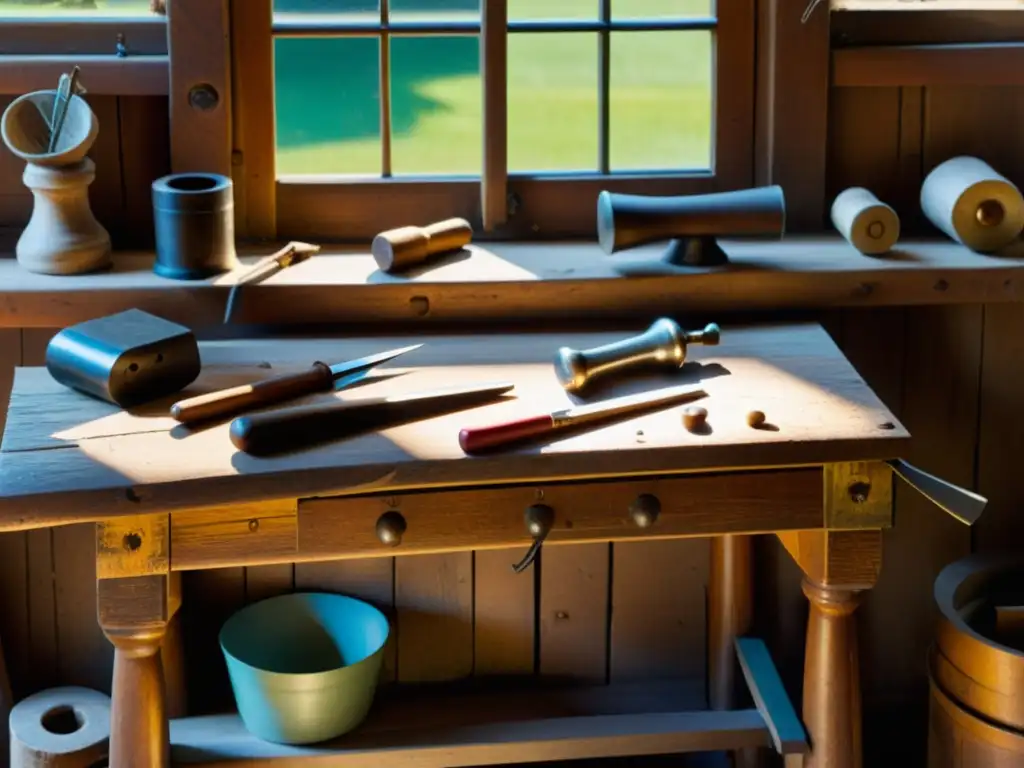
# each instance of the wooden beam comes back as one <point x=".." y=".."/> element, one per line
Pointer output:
<point x="510" y="282"/>
<point x="984" y="64"/>
<point x="200" y="86"/>
<point x="792" y="107"/>
<point x="140" y="35"/>
<point x="769" y="694"/>
<point x="101" y="75"/>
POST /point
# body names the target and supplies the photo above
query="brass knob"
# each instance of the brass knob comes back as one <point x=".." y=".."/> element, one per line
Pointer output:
<point x="390" y="527"/>
<point x="645" y="510"/>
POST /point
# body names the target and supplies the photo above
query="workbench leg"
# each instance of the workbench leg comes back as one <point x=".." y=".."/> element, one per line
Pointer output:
<point x="838" y="567"/>
<point x="832" y="707"/>
<point x="730" y="615"/>
<point x="137" y="596"/>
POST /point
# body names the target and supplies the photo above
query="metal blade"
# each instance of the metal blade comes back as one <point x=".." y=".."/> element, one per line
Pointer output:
<point x="642" y="401"/>
<point x="966" y="506"/>
<point x="451" y="393"/>
<point x="365" y="363"/>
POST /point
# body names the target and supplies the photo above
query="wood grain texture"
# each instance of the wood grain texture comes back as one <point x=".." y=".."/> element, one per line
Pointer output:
<point x="504" y="613"/>
<point x="658" y="617"/>
<point x="574" y="603"/>
<point x="145" y="157"/>
<point x="525" y="281"/>
<point x="239" y="535"/>
<point x="108" y="75"/>
<point x="434" y="613"/>
<point x="956" y="64"/>
<point x="369" y="579"/>
<point x="824" y="411"/>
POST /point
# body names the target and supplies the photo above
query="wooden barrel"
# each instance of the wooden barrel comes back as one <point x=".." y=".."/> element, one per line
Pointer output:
<point x="976" y="667"/>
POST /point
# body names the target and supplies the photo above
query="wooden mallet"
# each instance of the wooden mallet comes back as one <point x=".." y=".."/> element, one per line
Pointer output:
<point x="405" y="247"/>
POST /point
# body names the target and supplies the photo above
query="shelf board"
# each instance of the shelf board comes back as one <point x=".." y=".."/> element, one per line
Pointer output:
<point x="521" y="281"/>
<point x="448" y="728"/>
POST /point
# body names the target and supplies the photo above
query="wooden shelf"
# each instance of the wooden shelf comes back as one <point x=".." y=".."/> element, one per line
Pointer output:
<point x="431" y="728"/>
<point x="518" y="281"/>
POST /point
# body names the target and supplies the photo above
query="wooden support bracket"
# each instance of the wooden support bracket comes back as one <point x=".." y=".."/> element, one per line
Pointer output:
<point x="858" y="495"/>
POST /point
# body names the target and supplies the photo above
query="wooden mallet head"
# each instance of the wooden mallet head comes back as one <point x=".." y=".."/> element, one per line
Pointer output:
<point x="690" y="222"/>
<point x="405" y="247"/>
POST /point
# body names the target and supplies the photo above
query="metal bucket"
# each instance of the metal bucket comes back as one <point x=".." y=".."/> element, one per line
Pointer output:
<point x="976" y="667"/>
<point x="304" y="667"/>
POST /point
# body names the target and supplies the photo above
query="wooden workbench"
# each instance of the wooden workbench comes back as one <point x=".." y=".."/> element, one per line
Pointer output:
<point x="167" y="500"/>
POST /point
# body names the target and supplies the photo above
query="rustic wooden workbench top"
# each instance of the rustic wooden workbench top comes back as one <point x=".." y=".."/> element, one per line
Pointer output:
<point x="68" y="457"/>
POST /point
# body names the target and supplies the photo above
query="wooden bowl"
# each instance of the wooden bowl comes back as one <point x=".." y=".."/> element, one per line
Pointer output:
<point x="25" y="129"/>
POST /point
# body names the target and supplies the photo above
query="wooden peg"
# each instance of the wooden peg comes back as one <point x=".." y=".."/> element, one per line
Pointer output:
<point x="398" y="249"/>
<point x="868" y="224"/>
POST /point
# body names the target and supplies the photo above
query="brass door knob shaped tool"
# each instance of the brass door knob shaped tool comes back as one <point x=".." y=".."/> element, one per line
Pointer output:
<point x="966" y="506"/>
<point x="662" y="346"/>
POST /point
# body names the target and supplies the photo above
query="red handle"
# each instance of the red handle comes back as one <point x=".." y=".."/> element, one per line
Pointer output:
<point x="482" y="438"/>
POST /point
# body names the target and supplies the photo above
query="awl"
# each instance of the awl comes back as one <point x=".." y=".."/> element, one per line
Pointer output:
<point x="320" y="378"/>
<point x="477" y="439"/>
<point x="299" y="427"/>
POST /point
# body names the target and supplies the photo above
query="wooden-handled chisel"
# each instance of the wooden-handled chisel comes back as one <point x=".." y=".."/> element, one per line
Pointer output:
<point x="286" y="429"/>
<point x="320" y="378"/>
<point x="477" y="439"/>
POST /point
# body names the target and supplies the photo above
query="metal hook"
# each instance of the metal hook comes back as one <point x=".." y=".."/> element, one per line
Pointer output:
<point x="539" y="520"/>
<point x="811" y="5"/>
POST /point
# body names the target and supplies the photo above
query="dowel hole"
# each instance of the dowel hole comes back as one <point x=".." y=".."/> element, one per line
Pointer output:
<point x="990" y="213"/>
<point x="159" y="358"/>
<point x="133" y="367"/>
<point x="192" y="183"/>
<point x="876" y="229"/>
<point x="132" y="541"/>
<point x="62" y="720"/>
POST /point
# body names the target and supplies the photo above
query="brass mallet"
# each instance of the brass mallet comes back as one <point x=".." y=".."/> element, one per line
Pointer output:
<point x="662" y="346"/>
<point x="404" y="247"/>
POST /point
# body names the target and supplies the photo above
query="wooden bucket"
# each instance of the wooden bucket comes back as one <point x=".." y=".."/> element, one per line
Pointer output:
<point x="976" y="667"/>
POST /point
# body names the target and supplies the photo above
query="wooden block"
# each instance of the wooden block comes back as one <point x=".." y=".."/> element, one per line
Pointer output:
<point x="134" y="602"/>
<point x="847" y="559"/>
<point x="240" y="534"/>
<point x="133" y="546"/>
<point x="858" y="495"/>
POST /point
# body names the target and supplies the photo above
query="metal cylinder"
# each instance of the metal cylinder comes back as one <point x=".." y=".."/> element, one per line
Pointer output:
<point x="976" y="666"/>
<point x="193" y="215"/>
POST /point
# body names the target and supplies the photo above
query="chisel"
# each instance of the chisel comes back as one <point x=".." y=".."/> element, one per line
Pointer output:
<point x="288" y="429"/>
<point x="320" y="378"/>
<point x="477" y="439"/>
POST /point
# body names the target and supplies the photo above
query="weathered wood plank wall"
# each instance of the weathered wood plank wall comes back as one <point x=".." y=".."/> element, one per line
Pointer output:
<point x="597" y="611"/>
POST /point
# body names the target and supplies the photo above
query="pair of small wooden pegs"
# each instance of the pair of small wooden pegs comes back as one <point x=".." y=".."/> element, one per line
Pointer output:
<point x="695" y="418"/>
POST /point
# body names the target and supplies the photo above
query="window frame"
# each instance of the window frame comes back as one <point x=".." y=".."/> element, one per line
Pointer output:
<point x="542" y="207"/>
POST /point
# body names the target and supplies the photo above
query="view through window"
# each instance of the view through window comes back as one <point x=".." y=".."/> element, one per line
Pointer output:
<point x="655" y="101"/>
<point x="71" y="8"/>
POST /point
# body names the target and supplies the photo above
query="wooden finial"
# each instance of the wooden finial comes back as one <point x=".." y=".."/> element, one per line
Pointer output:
<point x="404" y="247"/>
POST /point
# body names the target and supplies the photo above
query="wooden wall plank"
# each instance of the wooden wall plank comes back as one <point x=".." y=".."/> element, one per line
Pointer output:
<point x="263" y="581"/>
<point x="106" y="193"/>
<point x="504" y="606"/>
<point x="15" y="199"/>
<point x="658" y="609"/>
<point x="145" y="157"/>
<point x="86" y="657"/>
<point x="370" y="579"/>
<point x="574" y="598"/>
<point x="434" y="610"/>
<point x="208" y="600"/>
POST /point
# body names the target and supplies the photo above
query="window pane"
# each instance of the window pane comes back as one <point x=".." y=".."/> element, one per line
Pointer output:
<point x="435" y="10"/>
<point x="75" y="7"/>
<point x="552" y="9"/>
<point x="662" y="9"/>
<point x="347" y="9"/>
<point x="327" y="105"/>
<point x="660" y="100"/>
<point x="436" y="105"/>
<point x="552" y="102"/>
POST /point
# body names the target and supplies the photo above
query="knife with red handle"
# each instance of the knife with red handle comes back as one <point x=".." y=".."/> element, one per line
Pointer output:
<point x="480" y="439"/>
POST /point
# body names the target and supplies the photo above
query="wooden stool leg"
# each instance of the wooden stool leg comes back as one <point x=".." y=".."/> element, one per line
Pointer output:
<point x="832" y="706"/>
<point x="730" y="615"/>
<point x="138" y="714"/>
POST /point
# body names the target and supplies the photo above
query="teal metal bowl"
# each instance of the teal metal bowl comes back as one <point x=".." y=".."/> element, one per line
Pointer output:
<point x="304" y="667"/>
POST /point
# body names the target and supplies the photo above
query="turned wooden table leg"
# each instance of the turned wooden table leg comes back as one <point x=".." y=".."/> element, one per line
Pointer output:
<point x="730" y="615"/>
<point x="136" y="599"/>
<point x="138" y="711"/>
<point x="838" y="566"/>
<point x="832" y="706"/>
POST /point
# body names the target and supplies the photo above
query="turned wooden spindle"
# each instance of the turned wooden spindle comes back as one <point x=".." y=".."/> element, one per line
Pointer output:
<point x="832" y="699"/>
<point x="139" y="732"/>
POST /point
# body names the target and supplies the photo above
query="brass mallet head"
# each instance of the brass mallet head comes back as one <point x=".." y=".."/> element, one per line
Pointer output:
<point x="662" y="346"/>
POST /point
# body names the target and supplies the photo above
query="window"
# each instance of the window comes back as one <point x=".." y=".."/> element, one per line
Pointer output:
<point x="513" y="114"/>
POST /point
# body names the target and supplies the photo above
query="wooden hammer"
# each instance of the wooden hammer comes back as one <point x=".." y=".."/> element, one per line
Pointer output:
<point x="404" y="247"/>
